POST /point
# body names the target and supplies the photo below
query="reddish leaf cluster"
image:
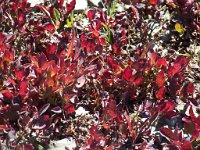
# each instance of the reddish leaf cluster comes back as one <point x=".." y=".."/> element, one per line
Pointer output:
<point x="47" y="70"/>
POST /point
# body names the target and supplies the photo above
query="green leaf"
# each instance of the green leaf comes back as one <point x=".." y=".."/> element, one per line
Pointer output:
<point x="40" y="147"/>
<point x="187" y="55"/>
<point x="56" y="14"/>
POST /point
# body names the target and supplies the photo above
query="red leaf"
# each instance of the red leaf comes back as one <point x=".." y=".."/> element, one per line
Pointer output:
<point x="91" y="14"/>
<point x="153" y="58"/>
<point x="23" y="87"/>
<point x="19" y="74"/>
<point x="77" y="49"/>
<point x="21" y="17"/>
<point x="127" y="73"/>
<point x="102" y="41"/>
<point x="111" y="113"/>
<point x="179" y="64"/>
<point x="170" y="115"/>
<point x="167" y="132"/>
<point x="192" y="114"/>
<point x="7" y="95"/>
<point x="52" y="49"/>
<point x="49" y="27"/>
<point x="172" y="70"/>
<point x="160" y="79"/>
<point x="48" y="64"/>
<point x="61" y="3"/>
<point x="53" y="71"/>
<point x="153" y="2"/>
<point x="71" y="46"/>
<point x="166" y="107"/>
<point x="186" y="145"/>
<point x="138" y="82"/>
<point x="161" y="62"/>
<point x="190" y="88"/>
<point x="95" y="32"/>
<point x="94" y="132"/>
<point x="62" y="65"/>
<point x="160" y="93"/>
<point x="69" y="108"/>
<point x="25" y="147"/>
<point x="195" y="135"/>
<point x="70" y="6"/>
<point x="127" y="117"/>
<point x="135" y="11"/>
<point x="42" y="59"/>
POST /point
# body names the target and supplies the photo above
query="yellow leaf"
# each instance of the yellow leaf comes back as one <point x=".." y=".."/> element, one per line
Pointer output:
<point x="179" y="28"/>
<point x="69" y="23"/>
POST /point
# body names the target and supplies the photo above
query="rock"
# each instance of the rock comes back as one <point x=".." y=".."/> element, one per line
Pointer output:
<point x="35" y="2"/>
<point x="81" y="111"/>
<point x="80" y="4"/>
<point x="68" y="143"/>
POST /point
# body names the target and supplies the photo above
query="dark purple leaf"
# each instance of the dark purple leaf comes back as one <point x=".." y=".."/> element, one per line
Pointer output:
<point x="56" y="110"/>
<point x="43" y="109"/>
<point x="167" y="132"/>
<point x="27" y="147"/>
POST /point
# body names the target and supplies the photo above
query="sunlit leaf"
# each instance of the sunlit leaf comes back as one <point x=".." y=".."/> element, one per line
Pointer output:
<point x="160" y="79"/>
<point x="23" y="87"/>
<point x="153" y="2"/>
<point x="7" y="95"/>
<point x="160" y="93"/>
<point x="179" y="64"/>
<point x="179" y="28"/>
<point x="161" y="63"/>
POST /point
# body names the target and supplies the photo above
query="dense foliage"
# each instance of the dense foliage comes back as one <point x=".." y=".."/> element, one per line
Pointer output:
<point x="51" y="63"/>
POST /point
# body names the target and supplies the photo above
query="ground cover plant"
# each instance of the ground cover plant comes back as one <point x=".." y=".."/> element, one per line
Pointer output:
<point x="129" y="64"/>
